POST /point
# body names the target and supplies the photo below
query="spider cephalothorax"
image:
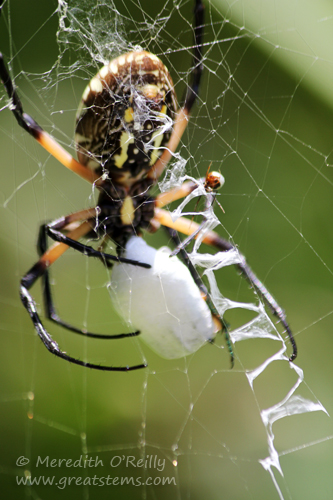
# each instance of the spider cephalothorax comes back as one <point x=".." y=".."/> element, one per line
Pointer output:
<point x="124" y="211"/>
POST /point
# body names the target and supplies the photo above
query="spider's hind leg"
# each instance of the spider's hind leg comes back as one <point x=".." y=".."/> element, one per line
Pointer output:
<point x="211" y="238"/>
<point x="37" y="271"/>
<point x="50" y="310"/>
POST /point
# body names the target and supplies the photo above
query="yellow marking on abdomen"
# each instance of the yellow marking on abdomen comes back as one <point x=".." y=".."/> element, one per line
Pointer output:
<point x="155" y="153"/>
<point x="125" y="140"/>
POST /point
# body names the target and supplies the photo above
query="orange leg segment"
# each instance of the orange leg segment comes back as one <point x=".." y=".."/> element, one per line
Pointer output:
<point x="58" y="249"/>
<point x="64" y="157"/>
<point x="183" y="225"/>
<point x="175" y="194"/>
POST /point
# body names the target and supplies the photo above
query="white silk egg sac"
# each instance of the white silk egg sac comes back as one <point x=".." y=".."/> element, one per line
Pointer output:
<point x="163" y="302"/>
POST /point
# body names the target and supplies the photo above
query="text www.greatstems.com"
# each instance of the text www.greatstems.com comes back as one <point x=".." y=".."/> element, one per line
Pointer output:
<point x="63" y="482"/>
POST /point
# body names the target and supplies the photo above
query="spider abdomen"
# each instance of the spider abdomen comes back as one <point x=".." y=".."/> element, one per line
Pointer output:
<point x="126" y="116"/>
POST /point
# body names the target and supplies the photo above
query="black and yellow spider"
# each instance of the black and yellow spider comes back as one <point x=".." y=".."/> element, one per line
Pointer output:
<point x="127" y="129"/>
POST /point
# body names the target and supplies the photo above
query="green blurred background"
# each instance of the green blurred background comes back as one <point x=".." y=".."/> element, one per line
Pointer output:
<point x="264" y="119"/>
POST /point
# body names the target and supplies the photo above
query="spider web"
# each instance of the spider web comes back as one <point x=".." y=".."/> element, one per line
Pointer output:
<point x="263" y="119"/>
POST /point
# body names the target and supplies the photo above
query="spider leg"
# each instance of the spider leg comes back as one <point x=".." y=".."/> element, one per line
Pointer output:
<point x="168" y="197"/>
<point x="210" y="198"/>
<point x="188" y="227"/>
<point x="48" y="258"/>
<point x="51" y="313"/>
<point x="193" y="90"/>
<point x="175" y="194"/>
<point x="180" y="192"/>
<point x="89" y="251"/>
<point x="202" y="287"/>
<point x="183" y="244"/>
<point x="191" y="95"/>
<point x="31" y="126"/>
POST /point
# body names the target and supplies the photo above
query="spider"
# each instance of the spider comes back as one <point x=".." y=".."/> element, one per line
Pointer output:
<point x="127" y="129"/>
